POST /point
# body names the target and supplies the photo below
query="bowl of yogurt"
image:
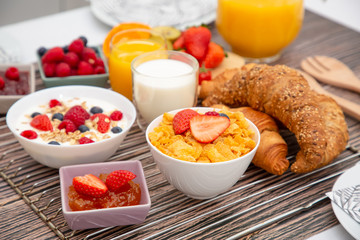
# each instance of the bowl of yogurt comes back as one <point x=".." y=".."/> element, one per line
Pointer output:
<point x="47" y="123"/>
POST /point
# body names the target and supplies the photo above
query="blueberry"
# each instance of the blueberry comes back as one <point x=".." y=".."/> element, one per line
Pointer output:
<point x="95" y="110"/>
<point x="34" y="114"/>
<point x="116" y="129"/>
<point x="223" y="115"/>
<point x="54" y="143"/>
<point x="84" y="39"/>
<point x="58" y="116"/>
<point x="41" y="51"/>
<point x="66" y="49"/>
<point x="83" y="128"/>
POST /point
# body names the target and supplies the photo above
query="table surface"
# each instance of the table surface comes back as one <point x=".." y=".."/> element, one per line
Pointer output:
<point x="30" y="206"/>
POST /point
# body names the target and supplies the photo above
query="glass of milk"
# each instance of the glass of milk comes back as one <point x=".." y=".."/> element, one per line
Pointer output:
<point x="163" y="81"/>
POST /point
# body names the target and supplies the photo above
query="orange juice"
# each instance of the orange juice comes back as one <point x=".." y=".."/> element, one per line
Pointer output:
<point x="259" y="28"/>
<point x="121" y="55"/>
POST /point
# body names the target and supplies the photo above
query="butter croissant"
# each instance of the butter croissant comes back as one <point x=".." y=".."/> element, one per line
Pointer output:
<point x="316" y="120"/>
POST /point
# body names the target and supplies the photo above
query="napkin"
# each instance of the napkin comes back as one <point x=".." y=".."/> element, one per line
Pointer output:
<point x="348" y="199"/>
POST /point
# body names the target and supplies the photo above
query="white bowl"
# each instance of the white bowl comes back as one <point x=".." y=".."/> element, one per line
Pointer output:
<point x="56" y="156"/>
<point x="201" y="180"/>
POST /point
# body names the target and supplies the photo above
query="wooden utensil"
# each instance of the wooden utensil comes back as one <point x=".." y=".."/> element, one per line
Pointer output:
<point x="350" y="108"/>
<point x="331" y="71"/>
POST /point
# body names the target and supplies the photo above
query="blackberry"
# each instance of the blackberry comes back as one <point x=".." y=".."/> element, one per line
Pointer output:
<point x="34" y="114"/>
<point x="58" y="116"/>
<point x="84" y="39"/>
<point x="223" y="115"/>
<point x="53" y="143"/>
<point x="41" y="51"/>
<point x="95" y="110"/>
<point x="116" y="130"/>
<point x="83" y="128"/>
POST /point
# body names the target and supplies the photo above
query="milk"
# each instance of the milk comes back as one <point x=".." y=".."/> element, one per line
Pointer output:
<point x="163" y="85"/>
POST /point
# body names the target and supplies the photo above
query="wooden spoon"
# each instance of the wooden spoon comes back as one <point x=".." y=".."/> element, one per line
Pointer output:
<point x="331" y="71"/>
<point x="350" y="108"/>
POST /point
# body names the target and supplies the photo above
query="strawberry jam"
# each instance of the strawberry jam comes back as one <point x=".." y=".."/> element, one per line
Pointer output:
<point x="127" y="195"/>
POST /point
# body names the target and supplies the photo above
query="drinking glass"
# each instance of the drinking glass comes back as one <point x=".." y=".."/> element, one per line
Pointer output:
<point x="124" y="47"/>
<point x="259" y="30"/>
<point x="163" y="81"/>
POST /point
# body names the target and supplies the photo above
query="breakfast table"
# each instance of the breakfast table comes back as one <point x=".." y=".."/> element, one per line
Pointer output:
<point x="258" y="206"/>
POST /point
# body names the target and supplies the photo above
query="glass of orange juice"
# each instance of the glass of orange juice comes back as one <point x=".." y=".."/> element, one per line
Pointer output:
<point x="259" y="30"/>
<point x="124" y="47"/>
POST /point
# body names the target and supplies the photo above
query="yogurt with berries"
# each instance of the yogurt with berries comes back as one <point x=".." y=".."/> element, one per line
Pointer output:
<point x="71" y="121"/>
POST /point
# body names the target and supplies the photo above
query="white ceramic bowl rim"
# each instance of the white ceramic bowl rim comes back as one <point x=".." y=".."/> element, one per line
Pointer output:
<point x="132" y="114"/>
<point x="256" y="133"/>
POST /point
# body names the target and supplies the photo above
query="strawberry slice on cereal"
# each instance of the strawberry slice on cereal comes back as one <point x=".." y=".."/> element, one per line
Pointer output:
<point x="206" y="129"/>
<point x="41" y="122"/>
<point x="181" y="120"/>
<point x="101" y="121"/>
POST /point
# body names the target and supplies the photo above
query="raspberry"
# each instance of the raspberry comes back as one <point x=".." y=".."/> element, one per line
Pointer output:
<point x="89" y="55"/>
<point x="29" y="134"/>
<point x="12" y="73"/>
<point x="99" y="70"/>
<point x="55" y="54"/>
<point x="85" y="140"/>
<point x="2" y="83"/>
<point x="85" y="68"/>
<point x="62" y="70"/>
<point x="76" y="46"/>
<point x="116" y="115"/>
<point x="72" y="59"/>
<point x="212" y="113"/>
<point x="99" y="62"/>
<point x="68" y="125"/>
<point x="102" y="121"/>
<point x="49" y="69"/>
<point x="77" y="115"/>
<point x="73" y="71"/>
<point x="54" y="103"/>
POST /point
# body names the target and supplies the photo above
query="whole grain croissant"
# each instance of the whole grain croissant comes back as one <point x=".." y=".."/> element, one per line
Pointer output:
<point x="316" y="120"/>
<point x="272" y="151"/>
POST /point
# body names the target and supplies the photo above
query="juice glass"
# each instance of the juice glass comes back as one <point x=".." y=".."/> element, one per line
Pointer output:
<point x="163" y="81"/>
<point x="258" y="30"/>
<point x="124" y="47"/>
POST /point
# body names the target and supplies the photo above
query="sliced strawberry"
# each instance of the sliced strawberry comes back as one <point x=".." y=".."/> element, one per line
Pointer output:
<point x="102" y="122"/>
<point x="41" y="122"/>
<point x="54" y="103"/>
<point x="117" y="179"/>
<point x="85" y="140"/>
<point x="206" y="129"/>
<point x="89" y="185"/>
<point x="181" y="120"/>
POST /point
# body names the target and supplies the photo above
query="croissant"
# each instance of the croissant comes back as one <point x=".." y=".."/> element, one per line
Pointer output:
<point x="316" y="120"/>
<point x="272" y="151"/>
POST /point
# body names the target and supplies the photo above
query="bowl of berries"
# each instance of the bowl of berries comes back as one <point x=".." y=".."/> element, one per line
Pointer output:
<point x="16" y="81"/>
<point x="73" y="64"/>
<point x="69" y="125"/>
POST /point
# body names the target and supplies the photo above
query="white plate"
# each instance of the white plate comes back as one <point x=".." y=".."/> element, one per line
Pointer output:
<point x="347" y="179"/>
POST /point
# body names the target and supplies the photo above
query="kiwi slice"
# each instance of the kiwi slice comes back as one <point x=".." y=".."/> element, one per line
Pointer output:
<point x="170" y="33"/>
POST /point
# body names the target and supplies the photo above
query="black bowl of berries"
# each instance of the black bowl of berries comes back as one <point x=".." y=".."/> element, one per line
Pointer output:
<point x="73" y="64"/>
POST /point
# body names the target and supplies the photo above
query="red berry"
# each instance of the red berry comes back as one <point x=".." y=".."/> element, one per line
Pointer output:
<point x="41" y="122"/>
<point x="2" y="83"/>
<point x="102" y="122"/>
<point x="179" y="43"/>
<point x="99" y="70"/>
<point x="55" y="54"/>
<point x="99" y="62"/>
<point x="29" y="134"/>
<point x="62" y="70"/>
<point x="119" y="178"/>
<point x="73" y="72"/>
<point x="68" y="125"/>
<point x="85" y="140"/>
<point x="85" y="68"/>
<point x="206" y="129"/>
<point x="212" y="113"/>
<point x="214" y="56"/>
<point x="49" y="69"/>
<point x="181" y="120"/>
<point x="196" y="41"/>
<point x="89" y="55"/>
<point x="89" y="185"/>
<point x="76" y="46"/>
<point x="204" y="75"/>
<point x="72" y="59"/>
<point x="54" y="103"/>
<point x="12" y="73"/>
<point x="77" y="114"/>
<point x="116" y="115"/>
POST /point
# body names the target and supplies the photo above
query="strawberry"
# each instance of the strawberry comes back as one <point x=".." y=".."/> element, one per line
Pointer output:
<point x="179" y="43"/>
<point x="54" y="103"/>
<point x="85" y="140"/>
<point x="181" y="120"/>
<point x="41" y="122"/>
<point x="12" y="73"/>
<point x="77" y="114"/>
<point x="55" y="54"/>
<point x="204" y="75"/>
<point x="206" y="129"/>
<point x="29" y="134"/>
<point x="102" y="122"/>
<point x="68" y="125"/>
<point x="116" y="179"/>
<point x="89" y="185"/>
<point x="215" y="55"/>
<point x="196" y="41"/>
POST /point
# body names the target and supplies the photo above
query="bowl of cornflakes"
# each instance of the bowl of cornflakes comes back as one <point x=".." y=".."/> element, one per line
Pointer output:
<point x="201" y="151"/>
